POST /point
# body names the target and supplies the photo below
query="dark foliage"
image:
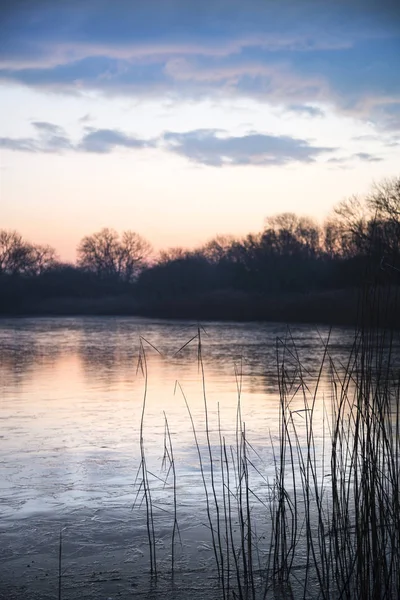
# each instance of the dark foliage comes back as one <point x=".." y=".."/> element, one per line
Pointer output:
<point x="226" y="278"/>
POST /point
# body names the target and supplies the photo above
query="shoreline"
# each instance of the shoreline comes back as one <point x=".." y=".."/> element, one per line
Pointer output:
<point x="333" y="307"/>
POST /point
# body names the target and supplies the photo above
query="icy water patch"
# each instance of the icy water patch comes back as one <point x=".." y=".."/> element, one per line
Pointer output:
<point x="72" y="393"/>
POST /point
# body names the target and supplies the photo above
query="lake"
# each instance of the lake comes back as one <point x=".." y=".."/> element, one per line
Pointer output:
<point x="72" y="393"/>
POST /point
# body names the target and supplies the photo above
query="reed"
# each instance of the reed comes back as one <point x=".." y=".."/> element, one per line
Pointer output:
<point x="350" y="520"/>
<point x="144" y="485"/>
<point x="60" y="566"/>
<point x="333" y="506"/>
<point x="169" y="457"/>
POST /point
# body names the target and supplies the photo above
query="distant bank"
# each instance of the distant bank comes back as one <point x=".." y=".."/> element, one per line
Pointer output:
<point x="333" y="307"/>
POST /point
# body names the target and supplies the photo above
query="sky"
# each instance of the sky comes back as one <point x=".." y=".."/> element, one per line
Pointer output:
<point x="182" y="120"/>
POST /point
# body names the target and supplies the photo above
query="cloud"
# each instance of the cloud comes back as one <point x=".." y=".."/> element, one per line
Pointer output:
<point x="47" y="127"/>
<point x="384" y="138"/>
<point x="305" y="110"/>
<point x="52" y="139"/>
<point x="20" y="144"/>
<point x="340" y="53"/>
<point x="209" y="147"/>
<point x="389" y="113"/>
<point x="44" y="34"/>
<point x="105" y="140"/>
<point x="363" y="156"/>
<point x="367" y="138"/>
<point x="85" y="118"/>
<point x="338" y="160"/>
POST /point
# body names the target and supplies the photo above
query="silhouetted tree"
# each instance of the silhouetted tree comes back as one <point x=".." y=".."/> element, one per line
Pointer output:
<point x="220" y="248"/>
<point x="111" y="256"/>
<point x="19" y="257"/>
<point x="368" y="226"/>
<point x="384" y="205"/>
<point x="384" y="200"/>
<point x="289" y="234"/>
<point x="187" y="275"/>
<point x="351" y="218"/>
<point x="332" y="243"/>
<point x="171" y="254"/>
<point x="43" y="258"/>
<point x="291" y="254"/>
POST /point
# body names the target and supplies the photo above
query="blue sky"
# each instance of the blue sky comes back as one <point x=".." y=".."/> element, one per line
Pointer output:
<point x="182" y="120"/>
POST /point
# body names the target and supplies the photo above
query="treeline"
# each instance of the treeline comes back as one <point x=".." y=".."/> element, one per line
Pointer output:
<point x="291" y="255"/>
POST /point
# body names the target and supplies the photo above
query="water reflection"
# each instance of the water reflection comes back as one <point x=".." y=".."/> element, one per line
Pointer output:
<point x="71" y="400"/>
<point x="21" y="353"/>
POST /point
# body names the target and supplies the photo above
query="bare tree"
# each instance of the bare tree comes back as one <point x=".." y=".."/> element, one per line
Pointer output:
<point x="20" y="257"/>
<point x="332" y="239"/>
<point x="42" y="258"/>
<point x="384" y="203"/>
<point x="349" y="224"/>
<point x="384" y="200"/>
<point x="98" y="252"/>
<point x="109" y="255"/>
<point x="370" y="224"/>
<point x="133" y="253"/>
<point x="13" y="252"/>
<point x="287" y="233"/>
<point x="171" y="254"/>
<point x="218" y="248"/>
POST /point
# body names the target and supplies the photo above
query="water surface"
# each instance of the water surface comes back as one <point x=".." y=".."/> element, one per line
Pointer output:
<point x="72" y="393"/>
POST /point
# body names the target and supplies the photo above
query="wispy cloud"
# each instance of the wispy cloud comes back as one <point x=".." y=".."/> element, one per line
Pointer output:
<point x="305" y="110"/>
<point x="105" y="140"/>
<point x="85" y="118"/>
<point x="48" y="128"/>
<point x="44" y="34"/>
<point x="366" y="156"/>
<point x="52" y="138"/>
<point x="383" y="138"/>
<point x="290" y="53"/>
<point x="358" y="156"/>
<point x="367" y="138"/>
<point x="209" y="147"/>
<point x="20" y="144"/>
